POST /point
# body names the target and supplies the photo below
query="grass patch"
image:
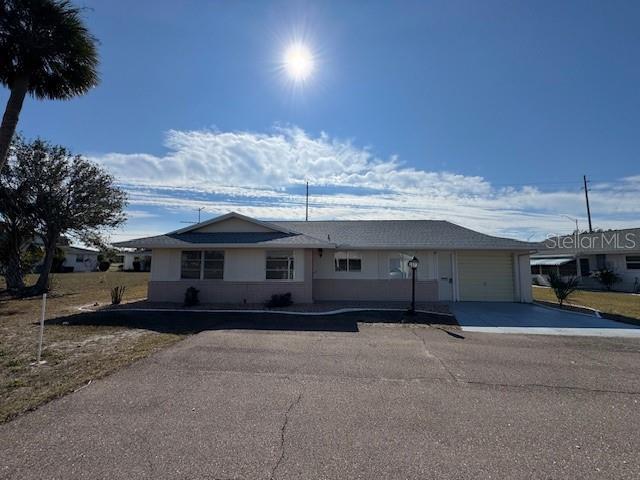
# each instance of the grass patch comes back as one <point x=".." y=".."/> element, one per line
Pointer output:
<point x="618" y="306"/>
<point x="75" y="354"/>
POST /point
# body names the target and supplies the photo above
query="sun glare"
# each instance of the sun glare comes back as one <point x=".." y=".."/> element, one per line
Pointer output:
<point x="298" y="62"/>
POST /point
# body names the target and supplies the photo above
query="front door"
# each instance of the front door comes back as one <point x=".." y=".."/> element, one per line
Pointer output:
<point x="445" y="276"/>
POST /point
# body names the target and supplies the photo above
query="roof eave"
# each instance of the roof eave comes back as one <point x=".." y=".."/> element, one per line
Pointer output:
<point x="431" y="247"/>
<point x="223" y="245"/>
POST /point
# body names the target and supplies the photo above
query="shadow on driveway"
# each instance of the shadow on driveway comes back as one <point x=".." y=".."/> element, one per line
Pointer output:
<point x="193" y="322"/>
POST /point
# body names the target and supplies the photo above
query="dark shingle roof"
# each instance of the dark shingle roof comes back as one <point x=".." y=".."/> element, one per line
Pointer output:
<point x="191" y="239"/>
<point x="437" y="234"/>
<point x="373" y="234"/>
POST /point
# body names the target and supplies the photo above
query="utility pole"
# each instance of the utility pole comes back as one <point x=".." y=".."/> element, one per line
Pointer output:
<point x="586" y="196"/>
<point x="306" y="215"/>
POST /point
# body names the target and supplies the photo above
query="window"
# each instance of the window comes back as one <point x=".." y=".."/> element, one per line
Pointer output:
<point x="585" y="268"/>
<point x="208" y="264"/>
<point x="398" y="267"/>
<point x="279" y="265"/>
<point x="347" y="262"/>
<point x="601" y="261"/>
<point x="79" y="258"/>
<point x="191" y="265"/>
<point x="633" y="262"/>
<point x="213" y="264"/>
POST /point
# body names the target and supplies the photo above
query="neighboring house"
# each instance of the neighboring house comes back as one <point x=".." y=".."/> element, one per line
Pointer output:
<point x="141" y="256"/>
<point x="79" y="259"/>
<point x="582" y="254"/>
<point x="236" y="259"/>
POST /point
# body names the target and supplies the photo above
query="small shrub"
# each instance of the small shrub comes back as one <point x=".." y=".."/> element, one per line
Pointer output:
<point x="136" y="265"/>
<point x="280" y="300"/>
<point x="191" y="297"/>
<point x="103" y="266"/>
<point x="606" y="277"/>
<point x="563" y="288"/>
<point x="116" y="294"/>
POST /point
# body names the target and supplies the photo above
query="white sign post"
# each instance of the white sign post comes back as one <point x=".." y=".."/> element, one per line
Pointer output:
<point x="44" y="307"/>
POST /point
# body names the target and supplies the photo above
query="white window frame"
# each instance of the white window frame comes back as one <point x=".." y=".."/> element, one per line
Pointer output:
<point x="281" y="255"/>
<point x="404" y="268"/>
<point x="202" y="262"/>
<point x="347" y="255"/>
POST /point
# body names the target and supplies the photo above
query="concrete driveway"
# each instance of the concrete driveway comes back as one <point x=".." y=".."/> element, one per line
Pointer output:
<point x="380" y="402"/>
<point x="497" y="317"/>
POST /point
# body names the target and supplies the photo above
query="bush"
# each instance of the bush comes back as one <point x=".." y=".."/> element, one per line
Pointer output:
<point x="191" y="297"/>
<point x="116" y="294"/>
<point x="280" y="300"/>
<point x="606" y="277"/>
<point x="103" y="266"/>
<point x="563" y="288"/>
<point x="136" y="265"/>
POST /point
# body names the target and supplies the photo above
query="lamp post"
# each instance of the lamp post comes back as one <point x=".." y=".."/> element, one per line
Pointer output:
<point x="413" y="264"/>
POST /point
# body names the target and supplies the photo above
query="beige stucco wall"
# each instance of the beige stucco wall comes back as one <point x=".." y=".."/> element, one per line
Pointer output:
<point x="316" y="278"/>
<point x="244" y="278"/>
<point x="165" y="265"/>
<point x="240" y="265"/>
<point x="524" y="288"/>
<point x="375" y="265"/>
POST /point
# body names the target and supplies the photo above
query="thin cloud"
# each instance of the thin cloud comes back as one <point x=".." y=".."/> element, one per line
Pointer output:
<point x="262" y="174"/>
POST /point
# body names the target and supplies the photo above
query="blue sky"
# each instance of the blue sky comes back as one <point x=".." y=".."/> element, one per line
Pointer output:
<point x="483" y="113"/>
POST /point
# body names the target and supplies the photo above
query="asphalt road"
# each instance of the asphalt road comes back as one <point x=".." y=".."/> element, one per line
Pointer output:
<point x="384" y="402"/>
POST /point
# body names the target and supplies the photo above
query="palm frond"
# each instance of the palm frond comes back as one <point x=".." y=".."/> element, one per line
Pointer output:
<point x="46" y="42"/>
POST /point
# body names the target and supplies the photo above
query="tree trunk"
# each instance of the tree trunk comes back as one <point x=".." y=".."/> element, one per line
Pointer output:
<point x="13" y="275"/>
<point x="42" y="285"/>
<point x="11" y="115"/>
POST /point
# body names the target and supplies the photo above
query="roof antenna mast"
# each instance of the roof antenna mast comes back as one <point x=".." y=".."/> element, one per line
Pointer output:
<point x="306" y="215"/>
<point x="199" y="210"/>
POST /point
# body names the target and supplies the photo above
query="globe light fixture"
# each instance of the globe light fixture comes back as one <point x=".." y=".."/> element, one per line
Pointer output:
<point x="413" y="265"/>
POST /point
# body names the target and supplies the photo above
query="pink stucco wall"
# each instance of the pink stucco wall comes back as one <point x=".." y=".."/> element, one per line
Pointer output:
<point x="371" y="290"/>
<point x="218" y="291"/>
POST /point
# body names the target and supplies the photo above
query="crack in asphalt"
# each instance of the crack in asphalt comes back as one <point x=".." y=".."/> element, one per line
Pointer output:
<point x="431" y="354"/>
<point x="549" y="387"/>
<point x="282" y="435"/>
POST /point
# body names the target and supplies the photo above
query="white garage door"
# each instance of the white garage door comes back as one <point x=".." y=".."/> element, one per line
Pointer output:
<point x="486" y="276"/>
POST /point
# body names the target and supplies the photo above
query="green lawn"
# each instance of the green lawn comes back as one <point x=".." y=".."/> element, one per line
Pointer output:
<point x="613" y="303"/>
<point x="75" y="354"/>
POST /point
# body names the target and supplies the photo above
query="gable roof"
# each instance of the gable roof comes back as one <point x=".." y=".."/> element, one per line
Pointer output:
<point x="227" y="216"/>
<point x="410" y="234"/>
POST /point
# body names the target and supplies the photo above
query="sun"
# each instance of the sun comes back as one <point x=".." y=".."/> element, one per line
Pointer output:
<point x="298" y="62"/>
